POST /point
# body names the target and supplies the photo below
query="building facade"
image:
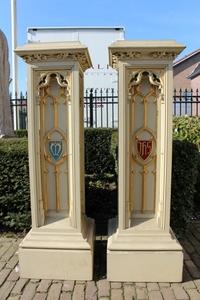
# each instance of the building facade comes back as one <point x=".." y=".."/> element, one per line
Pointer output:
<point x="97" y="39"/>
<point x="187" y="72"/>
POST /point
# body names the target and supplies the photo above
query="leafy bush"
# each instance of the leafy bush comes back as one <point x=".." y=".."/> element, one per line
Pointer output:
<point x="99" y="151"/>
<point x="197" y="194"/>
<point x="184" y="178"/>
<point x="21" y="133"/>
<point x="14" y="185"/>
<point x="187" y="128"/>
<point x="101" y="184"/>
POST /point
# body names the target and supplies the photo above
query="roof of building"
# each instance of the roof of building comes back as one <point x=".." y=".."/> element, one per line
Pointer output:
<point x="77" y="27"/>
<point x="195" y="72"/>
<point x="197" y="51"/>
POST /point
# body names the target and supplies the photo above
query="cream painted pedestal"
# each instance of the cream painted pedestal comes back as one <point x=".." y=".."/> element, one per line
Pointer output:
<point x="142" y="247"/>
<point x="58" y="251"/>
<point x="60" y="243"/>
<point x="143" y="255"/>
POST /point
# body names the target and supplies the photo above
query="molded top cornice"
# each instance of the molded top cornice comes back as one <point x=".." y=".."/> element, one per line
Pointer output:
<point x="135" y="50"/>
<point x="43" y="52"/>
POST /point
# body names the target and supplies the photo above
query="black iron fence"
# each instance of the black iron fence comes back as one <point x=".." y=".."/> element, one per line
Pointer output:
<point x="19" y="111"/>
<point x="101" y="107"/>
<point x="186" y="102"/>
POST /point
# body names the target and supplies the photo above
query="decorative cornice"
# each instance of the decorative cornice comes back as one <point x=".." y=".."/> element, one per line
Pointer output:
<point x="163" y="55"/>
<point x="43" y="57"/>
<point x="124" y="55"/>
<point x="132" y="55"/>
<point x="61" y="51"/>
<point x="125" y="50"/>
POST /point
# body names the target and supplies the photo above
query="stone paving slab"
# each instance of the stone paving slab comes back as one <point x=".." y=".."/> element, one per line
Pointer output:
<point x="155" y="295"/>
<point x="12" y="287"/>
<point x="129" y="291"/>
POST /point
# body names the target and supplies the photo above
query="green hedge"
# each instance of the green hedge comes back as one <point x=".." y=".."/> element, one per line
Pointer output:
<point x="99" y="151"/>
<point x="22" y="133"/>
<point x="14" y="185"/>
<point x="184" y="178"/>
<point x="187" y="128"/>
<point x="197" y="194"/>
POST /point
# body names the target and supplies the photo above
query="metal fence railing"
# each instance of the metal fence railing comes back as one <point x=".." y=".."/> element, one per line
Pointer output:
<point x="186" y="102"/>
<point x="19" y="111"/>
<point x="101" y="107"/>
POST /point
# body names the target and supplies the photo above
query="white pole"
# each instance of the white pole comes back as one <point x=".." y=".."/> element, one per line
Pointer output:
<point x="14" y="58"/>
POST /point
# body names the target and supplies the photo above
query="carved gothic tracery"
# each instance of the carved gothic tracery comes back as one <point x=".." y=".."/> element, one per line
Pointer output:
<point x="136" y="78"/>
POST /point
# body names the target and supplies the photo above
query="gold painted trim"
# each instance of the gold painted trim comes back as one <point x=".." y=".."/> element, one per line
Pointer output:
<point x="133" y="92"/>
<point x="42" y="103"/>
<point x="143" y="203"/>
<point x="57" y="185"/>
<point x="45" y="180"/>
<point x="131" y="177"/>
<point x="55" y="103"/>
<point x="44" y="95"/>
<point x="154" y="173"/>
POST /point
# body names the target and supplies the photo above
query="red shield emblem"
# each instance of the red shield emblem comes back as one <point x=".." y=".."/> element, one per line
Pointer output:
<point x="144" y="148"/>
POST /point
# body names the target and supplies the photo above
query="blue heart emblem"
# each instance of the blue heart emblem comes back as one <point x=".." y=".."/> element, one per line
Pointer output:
<point x="55" y="149"/>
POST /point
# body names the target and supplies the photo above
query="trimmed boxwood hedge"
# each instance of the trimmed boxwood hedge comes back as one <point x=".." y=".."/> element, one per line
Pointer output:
<point x="184" y="178"/>
<point x="22" y="133"/>
<point x="14" y="185"/>
<point x="101" y="179"/>
<point x="187" y="129"/>
<point x="99" y="158"/>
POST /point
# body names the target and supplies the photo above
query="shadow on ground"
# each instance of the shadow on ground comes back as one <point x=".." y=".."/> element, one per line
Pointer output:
<point x="100" y="259"/>
<point x="101" y="205"/>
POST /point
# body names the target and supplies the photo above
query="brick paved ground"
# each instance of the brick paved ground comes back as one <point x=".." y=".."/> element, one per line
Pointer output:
<point x="14" y="288"/>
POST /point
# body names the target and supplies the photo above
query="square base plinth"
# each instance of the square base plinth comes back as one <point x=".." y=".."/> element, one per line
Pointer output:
<point x="56" y="264"/>
<point x="143" y="253"/>
<point x="58" y="251"/>
<point x="145" y="266"/>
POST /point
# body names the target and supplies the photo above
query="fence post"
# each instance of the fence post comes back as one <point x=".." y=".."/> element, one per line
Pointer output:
<point x="91" y="108"/>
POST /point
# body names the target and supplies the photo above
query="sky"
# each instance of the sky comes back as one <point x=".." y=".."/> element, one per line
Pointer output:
<point x="142" y="19"/>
